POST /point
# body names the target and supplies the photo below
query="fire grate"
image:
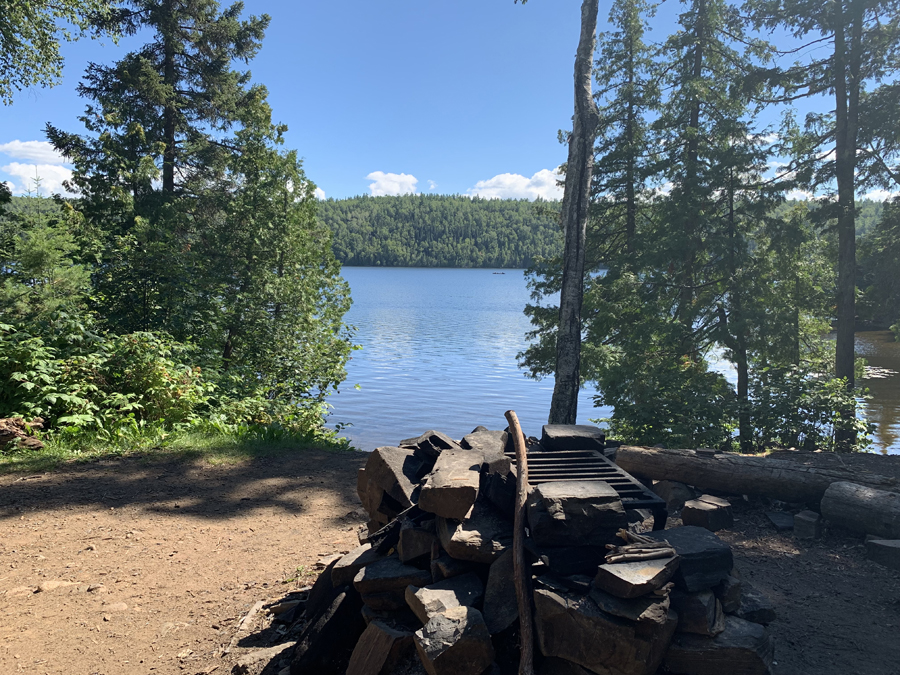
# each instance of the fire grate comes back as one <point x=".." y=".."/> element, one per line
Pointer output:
<point x="545" y="466"/>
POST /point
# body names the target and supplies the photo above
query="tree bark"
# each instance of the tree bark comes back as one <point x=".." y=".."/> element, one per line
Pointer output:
<point x="846" y="92"/>
<point x="863" y="509"/>
<point x="575" y="211"/>
<point x="741" y="475"/>
<point x="169" y="111"/>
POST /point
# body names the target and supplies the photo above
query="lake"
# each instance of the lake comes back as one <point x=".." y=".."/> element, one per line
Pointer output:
<point x="439" y="352"/>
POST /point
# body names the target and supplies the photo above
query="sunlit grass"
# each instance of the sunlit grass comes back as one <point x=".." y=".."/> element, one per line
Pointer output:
<point x="211" y="446"/>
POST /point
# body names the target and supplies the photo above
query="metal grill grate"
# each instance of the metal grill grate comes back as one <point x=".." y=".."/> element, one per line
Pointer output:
<point x="545" y="466"/>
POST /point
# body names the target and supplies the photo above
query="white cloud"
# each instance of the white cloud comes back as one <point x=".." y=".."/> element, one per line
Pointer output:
<point x="36" y="151"/>
<point x="391" y="183"/>
<point x="320" y="193"/>
<point x="432" y="185"/>
<point x="516" y="186"/>
<point x="51" y="177"/>
<point x="880" y="195"/>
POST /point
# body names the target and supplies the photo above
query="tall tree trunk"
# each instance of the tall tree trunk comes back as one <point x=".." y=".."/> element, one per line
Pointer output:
<point x="846" y="90"/>
<point x="169" y="111"/>
<point x="575" y="211"/>
<point x="686" y="300"/>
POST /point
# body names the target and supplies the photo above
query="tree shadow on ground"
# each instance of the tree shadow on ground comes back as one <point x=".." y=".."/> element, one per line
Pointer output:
<point x="285" y="482"/>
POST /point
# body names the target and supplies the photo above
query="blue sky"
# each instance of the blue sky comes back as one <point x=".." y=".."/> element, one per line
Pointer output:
<point x="461" y="96"/>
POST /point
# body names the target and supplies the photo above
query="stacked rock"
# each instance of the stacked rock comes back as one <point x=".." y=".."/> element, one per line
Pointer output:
<point x="431" y="587"/>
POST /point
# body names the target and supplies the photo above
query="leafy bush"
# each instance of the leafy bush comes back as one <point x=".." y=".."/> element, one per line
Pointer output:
<point x="793" y="408"/>
<point x="676" y="403"/>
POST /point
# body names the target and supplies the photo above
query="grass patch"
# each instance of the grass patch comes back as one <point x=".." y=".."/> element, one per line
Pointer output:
<point x="210" y="445"/>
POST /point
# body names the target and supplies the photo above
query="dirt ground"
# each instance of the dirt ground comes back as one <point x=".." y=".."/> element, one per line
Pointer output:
<point x="149" y="566"/>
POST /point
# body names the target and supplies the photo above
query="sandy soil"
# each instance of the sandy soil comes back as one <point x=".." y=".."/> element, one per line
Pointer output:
<point x="145" y="567"/>
<point x="148" y="566"/>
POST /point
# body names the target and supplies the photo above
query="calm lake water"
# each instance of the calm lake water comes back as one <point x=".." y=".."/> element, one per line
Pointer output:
<point x="439" y="352"/>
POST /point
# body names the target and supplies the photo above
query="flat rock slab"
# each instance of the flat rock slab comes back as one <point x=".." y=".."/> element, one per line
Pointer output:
<point x="501" y="608"/>
<point x="807" y="525"/>
<point x="389" y="575"/>
<point x="711" y="513"/>
<point x="451" y="488"/>
<point x="380" y="648"/>
<point x="729" y="593"/>
<point x="572" y="437"/>
<point x="415" y="542"/>
<point x="706" y="560"/>
<point x="574" y="628"/>
<point x="647" y="609"/>
<point x="397" y="472"/>
<point x="575" y="513"/>
<point x="325" y="645"/>
<point x="700" y="613"/>
<point x="456" y="642"/>
<point x="345" y="570"/>
<point x="487" y="441"/>
<point x="481" y="538"/>
<point x="465" y="590"/>
<point x="755" y="606"/>
<point x="743" y="648"/>
<point x="632" y="580"/>
<point x="431" y="444"/>
<point x="782" y="521"/>
<point x="885" y="552"/>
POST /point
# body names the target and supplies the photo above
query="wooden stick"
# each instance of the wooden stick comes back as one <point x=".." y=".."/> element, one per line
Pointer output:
<point x="521" y="574"/>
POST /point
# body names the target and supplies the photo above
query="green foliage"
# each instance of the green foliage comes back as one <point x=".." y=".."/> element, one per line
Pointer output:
<point x="879" y="276"/>
<point x="190" y="286"/>
<point x="676" y="402"/>
<point x="441" y="231"/>
<point x="795" y="408"/>
<point x="30" y="33"/>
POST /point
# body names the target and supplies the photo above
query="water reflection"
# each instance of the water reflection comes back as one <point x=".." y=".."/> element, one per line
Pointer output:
<point x="439" y="350"/>
<point x="883" y="409"/>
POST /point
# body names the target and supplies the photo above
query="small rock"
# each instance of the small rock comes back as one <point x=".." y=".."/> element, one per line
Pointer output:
<point x="632" y="580"/>
<point x="415" y="542"/>
<point x="708" y="512"/>
<point x="699" y="613"/>
<point x="573" y="437"/>
<point x="451" y="488"/>
<point x="389" y="575"/>
<point x="462" y="591"/>
<point x="729" y="593"/>
<point x="807" y="525"/>
<point x="706" y="560"/>
<point x="53" y="584"/>
<point x="885" y="552"/>
<point x="570" y="513"/>
<point x="647" y="609"/>
<point x="456" y="642"/>
<point x="380" y="648"/>
<point x="501" y="608"/>
<point x="346" y="569"/>
<point x="755" y="606"/>
<point x="743" y="647"/>
<point x="482" y="537"/>
<point x="781" y="520"/>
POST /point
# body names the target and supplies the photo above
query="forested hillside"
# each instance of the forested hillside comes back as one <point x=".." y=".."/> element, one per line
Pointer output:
<point x="441" y="231"/>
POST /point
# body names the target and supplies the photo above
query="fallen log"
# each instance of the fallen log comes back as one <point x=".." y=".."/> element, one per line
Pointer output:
<point x="742" y="475"/>
<point x="862" y="509"/>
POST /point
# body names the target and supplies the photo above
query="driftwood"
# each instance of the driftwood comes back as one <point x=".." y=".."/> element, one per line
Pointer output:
<point x="638" y="548"/>
<point x="862" y="509"/>
<point x="521" y="572"/>
<point x="738" y="474"/>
